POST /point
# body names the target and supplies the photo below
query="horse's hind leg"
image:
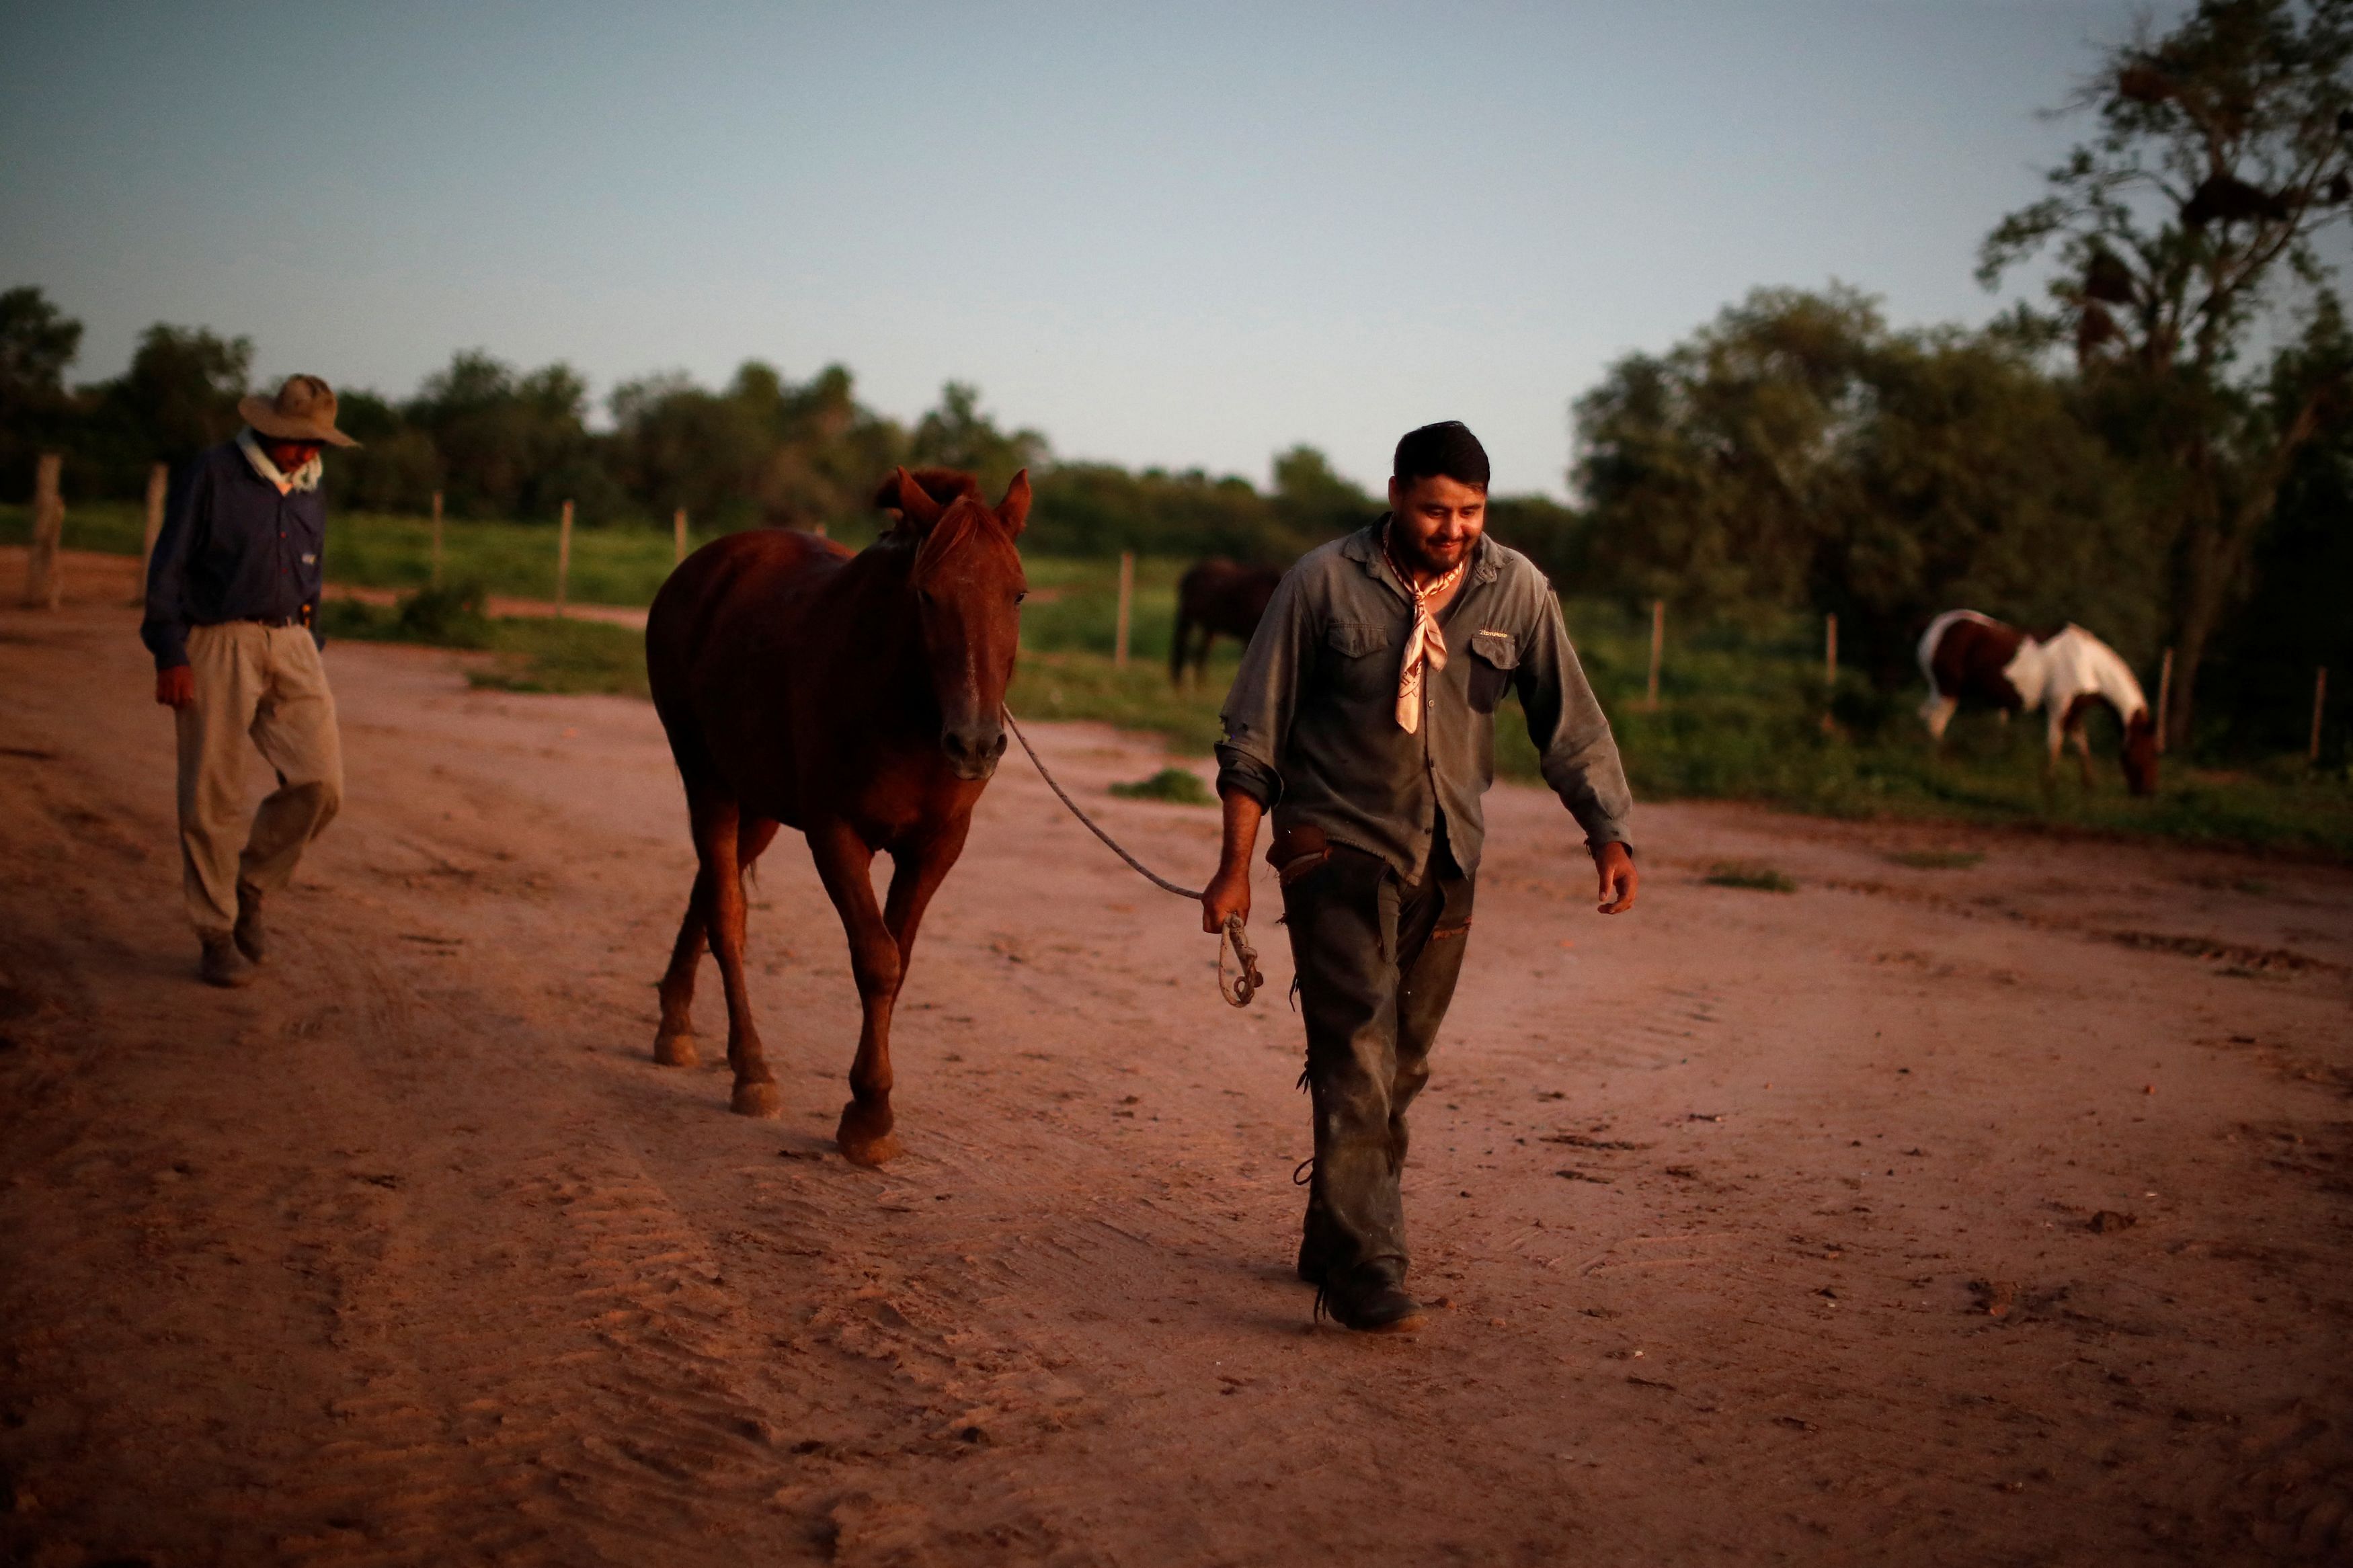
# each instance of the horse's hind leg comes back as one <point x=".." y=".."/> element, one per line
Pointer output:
<point x="674" y="1039"/>
<point x="717" y="824"/>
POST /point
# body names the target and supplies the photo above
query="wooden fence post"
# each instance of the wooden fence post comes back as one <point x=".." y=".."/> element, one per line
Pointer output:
<point x="1657" y="645"/>
<point x="1127" y="607"/>
<point x="45" y="582"/>
<point x="678" y="527"/>
<point x="2319" y="701"/>
<point x="1829" y="674"/>
<point x="158" y="485"/>
<point x="2164" y="696"/>
<point x="437" y="539"/>
<point x="563" y="556"/>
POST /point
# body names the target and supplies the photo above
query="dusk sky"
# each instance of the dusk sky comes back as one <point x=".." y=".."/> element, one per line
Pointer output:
<point x="1177" y="235"/>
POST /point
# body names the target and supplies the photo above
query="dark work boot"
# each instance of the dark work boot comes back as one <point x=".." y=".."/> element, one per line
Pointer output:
<point x="1368" y="1300"/>
<point x="251" y="940"/>
<point x="222" y="964"/>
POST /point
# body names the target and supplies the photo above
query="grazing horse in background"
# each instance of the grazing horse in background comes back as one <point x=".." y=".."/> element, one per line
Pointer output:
<point x="1974" y="658"/>
<point x="857" y="699"/>
<point x="1216" y="596"/>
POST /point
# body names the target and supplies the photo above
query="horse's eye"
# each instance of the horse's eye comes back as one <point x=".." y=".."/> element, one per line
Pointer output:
<point x="1019" y="595"/>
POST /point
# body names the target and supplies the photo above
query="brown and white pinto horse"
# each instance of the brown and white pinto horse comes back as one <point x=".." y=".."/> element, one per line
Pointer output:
<point x="1975" y="659"/>
<point x="857" y="699"/>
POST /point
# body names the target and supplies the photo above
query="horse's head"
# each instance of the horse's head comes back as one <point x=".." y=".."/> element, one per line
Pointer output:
<point x="2140" y="753"/>
<point x="967" y="584"/>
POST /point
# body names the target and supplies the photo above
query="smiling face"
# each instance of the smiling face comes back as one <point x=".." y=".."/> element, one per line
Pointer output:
<point x="1435" y="521"/>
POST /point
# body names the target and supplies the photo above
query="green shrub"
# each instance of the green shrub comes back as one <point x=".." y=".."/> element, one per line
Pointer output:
<point x="1750" y="874"/>
<point x="1175" y="785"/>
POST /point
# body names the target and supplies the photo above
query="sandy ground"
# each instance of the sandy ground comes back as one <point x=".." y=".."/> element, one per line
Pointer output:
<point x="410" y="1253"/>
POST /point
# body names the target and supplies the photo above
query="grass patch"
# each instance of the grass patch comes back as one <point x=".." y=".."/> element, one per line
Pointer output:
<point x="1175" y="785"/>
<point x="107" y="527"/>
<point x="528" y="653"/>
<point x="1750" y="874"/>
<point x="1938" y="860"/>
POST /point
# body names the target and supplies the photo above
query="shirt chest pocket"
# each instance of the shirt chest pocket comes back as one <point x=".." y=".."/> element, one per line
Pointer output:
<point x="1351" y="661"/>
<point x="1493" y="657"/>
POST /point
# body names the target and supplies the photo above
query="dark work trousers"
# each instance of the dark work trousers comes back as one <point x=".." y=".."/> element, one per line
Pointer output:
<point x="1377" y="961"/>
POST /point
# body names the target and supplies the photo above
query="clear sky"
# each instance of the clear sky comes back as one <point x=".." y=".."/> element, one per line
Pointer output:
<point x="1175" y="234"/>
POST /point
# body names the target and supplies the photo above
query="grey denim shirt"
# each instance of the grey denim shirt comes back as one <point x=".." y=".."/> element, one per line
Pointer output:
<point x="1311" y="726"/>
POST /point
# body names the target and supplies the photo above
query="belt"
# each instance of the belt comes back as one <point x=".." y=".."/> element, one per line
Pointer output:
<point x="275" y="622"/>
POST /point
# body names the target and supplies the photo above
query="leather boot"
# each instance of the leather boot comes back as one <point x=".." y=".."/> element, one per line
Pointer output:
<point x="222" y="964"/>
<point x="251" y="940"/>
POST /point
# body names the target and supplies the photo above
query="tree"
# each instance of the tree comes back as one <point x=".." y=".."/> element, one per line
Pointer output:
<point x="2183" y="229"/>
<point x="395" y="469"/>
<point x="513" y="445"/>
<point x="37" y="344"/>
<point x="178" y="396"/>
<point x="1312" y="502"/>
<point x="957" y="435"/>
<point x="1795" y="454"/>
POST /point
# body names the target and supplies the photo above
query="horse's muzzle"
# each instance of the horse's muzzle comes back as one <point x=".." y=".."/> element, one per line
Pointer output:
<point x="972" y="749"/>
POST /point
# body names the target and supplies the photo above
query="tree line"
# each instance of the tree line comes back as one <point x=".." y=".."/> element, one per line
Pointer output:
<point x="2160" y="449"/>
<point x="497" y="441"/>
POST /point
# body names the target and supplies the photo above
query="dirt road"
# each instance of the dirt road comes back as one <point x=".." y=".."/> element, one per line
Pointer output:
<point x="409" y="1254"/>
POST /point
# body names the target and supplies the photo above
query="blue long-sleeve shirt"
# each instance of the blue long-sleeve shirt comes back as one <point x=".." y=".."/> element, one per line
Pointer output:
<point x="232" y="549"/>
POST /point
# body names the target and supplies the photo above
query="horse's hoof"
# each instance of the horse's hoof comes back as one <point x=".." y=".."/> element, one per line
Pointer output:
<point x="675" y="1049"/>
<point x="757" y="1098"/>
<point x="871" y="1153"/>
<point x="864" y="1136"/>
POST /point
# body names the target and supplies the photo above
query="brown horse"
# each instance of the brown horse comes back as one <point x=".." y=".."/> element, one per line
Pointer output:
<point x="1216" y="596"/>
<point x="857" y="699"/>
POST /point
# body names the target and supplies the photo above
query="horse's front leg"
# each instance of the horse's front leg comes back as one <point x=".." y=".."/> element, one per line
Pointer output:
<point x="2084" y="755"/>
<point x="845" y="862"/>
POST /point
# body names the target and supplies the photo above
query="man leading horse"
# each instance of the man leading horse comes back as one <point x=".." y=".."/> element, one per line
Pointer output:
<point x="1363" y="718"/>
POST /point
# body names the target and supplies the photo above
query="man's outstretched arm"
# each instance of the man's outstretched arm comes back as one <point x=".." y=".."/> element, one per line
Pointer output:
<point x="1579" y="756"/>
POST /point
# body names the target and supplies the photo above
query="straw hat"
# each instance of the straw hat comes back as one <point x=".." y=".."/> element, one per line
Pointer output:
<point x="303" y="410"/>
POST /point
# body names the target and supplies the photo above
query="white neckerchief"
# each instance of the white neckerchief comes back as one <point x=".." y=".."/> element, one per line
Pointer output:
<point x="1425" y="644"/>
<point x="305" y="477"/>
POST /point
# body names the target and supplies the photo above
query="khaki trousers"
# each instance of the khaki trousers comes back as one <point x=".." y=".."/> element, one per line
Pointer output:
<point x="266" y="683"/>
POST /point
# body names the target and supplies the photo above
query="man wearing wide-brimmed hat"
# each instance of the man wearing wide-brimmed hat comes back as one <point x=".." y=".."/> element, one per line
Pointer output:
<point x="232" y="618"/>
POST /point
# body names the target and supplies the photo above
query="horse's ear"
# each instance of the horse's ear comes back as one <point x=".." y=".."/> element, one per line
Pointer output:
<point x="1013" y="511"/>
<point x="902" y="494"/>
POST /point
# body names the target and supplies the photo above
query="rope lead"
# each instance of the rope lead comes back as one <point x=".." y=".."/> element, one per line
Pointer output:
<point x="1237" y="989"/>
